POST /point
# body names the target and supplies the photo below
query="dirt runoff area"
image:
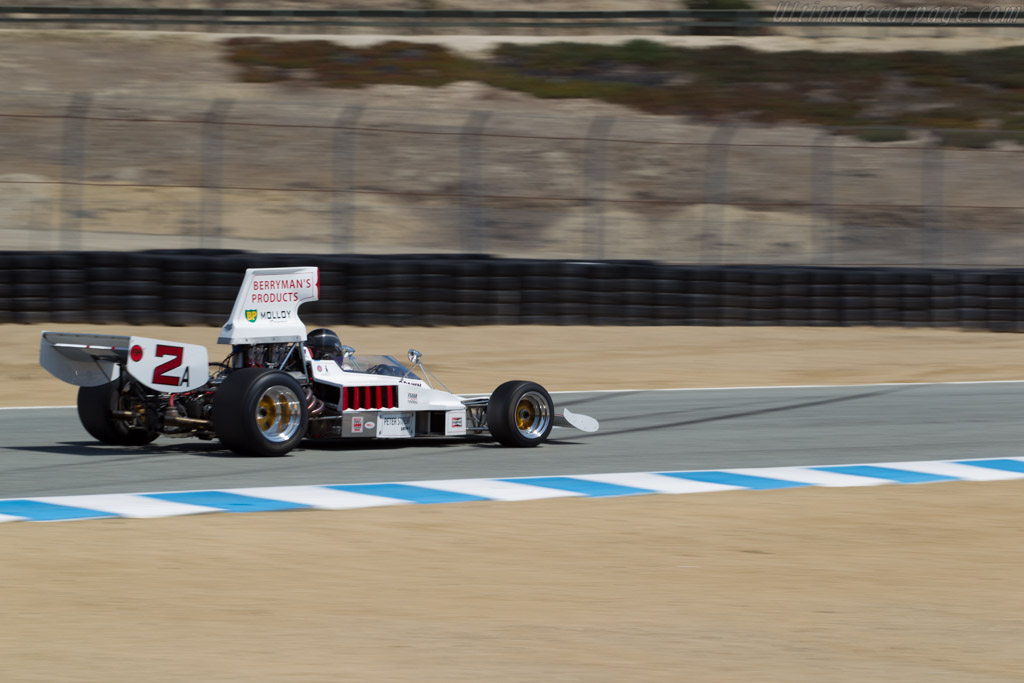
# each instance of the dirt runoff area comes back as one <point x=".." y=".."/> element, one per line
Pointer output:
<point x="894" y="583"/>
<point x="478" y="359"/>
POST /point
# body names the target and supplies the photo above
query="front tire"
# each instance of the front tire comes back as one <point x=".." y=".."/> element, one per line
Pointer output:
<point x="260" y="412"/>
<point x="95" y="405"/>
<point x="520" y="414"/>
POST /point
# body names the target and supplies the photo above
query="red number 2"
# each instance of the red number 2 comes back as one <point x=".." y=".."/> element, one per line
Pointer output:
<point x="159" y="376"/>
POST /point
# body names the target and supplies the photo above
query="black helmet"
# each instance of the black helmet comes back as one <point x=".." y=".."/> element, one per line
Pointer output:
<point x="324" y="344"/>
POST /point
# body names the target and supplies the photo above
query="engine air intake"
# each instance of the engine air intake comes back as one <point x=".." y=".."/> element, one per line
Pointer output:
<point x="369" y="398"/>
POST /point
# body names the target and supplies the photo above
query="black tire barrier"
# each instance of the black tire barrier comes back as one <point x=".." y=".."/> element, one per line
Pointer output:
<point x="198" y="287"/>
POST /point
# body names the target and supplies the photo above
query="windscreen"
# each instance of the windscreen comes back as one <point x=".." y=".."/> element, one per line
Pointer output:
<point x="375" y="365"/>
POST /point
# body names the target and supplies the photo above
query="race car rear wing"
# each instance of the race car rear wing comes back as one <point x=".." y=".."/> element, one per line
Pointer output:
<point x="84" y="360"/>
<point x="88" y="360"/>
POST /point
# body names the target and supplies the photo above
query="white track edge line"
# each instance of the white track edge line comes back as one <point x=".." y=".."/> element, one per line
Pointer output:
<point x="795" y="386"/>
<point x="33" y="407"/>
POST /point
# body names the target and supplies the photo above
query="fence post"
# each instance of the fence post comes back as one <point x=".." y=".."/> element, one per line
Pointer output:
<point x="344" y="177"/>
<point x="212" y="177"/>
<point x="715" y="195"/>
<point x="822" y="198"/>
<point x="473" y="238"/>
<point x="594" y="179"/>
<point x="933" y="197"/>
<point x="73" y="171"/>
<point x="213" y="20"/>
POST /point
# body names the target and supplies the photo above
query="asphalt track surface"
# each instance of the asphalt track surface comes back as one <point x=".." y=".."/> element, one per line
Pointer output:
<point x="45" y="451"/>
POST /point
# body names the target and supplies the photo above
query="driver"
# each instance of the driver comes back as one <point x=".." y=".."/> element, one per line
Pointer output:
<point x="324" y="344"/>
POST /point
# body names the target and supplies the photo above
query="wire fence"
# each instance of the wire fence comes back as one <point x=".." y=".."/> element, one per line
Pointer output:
<point x="86" y="171"/>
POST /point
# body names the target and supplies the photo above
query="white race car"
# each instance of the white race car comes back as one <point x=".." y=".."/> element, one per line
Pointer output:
<point x="279" y="385"/>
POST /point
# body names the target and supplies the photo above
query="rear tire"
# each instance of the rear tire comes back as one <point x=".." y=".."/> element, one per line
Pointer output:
<point x="260" y="412"/>
<point x="95" y="405"/>
<point x="520" y="414"/>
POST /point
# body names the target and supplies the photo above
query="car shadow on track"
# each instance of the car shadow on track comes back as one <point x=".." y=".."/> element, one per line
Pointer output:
<point x="485" y="442"/>
<point x="93" y="449"/>
<point x="213" y="449"/>
<point x="786" y="407"/>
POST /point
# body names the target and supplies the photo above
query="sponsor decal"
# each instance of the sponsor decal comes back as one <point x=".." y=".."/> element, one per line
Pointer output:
<point x="396" y="425"/>
<point x="319" y="368"/>
<point x="413" y="398"/>
<point x="279" y="290"/>
<point x="456" y="422"/>
<point x="270" y="316"/>
<point x="275" y="298"/>
<point x="250" y="315"/>
<point x="136" y="353"/>
<point x="357" y="425"/>
<point x="285" y="283"/>
<point x="370" y="425"/>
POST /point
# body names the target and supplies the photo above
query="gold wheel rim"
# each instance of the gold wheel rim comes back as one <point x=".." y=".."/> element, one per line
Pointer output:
<point x="278" y="413"/>
<point x="533" y="415"/>
<point x="526" y="413"/>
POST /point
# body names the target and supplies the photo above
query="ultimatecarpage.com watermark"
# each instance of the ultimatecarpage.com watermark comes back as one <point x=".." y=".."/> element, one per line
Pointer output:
<point x="816" y="12"/>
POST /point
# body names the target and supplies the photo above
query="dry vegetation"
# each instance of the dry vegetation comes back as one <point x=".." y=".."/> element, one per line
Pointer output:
<point x="975" y="90"/>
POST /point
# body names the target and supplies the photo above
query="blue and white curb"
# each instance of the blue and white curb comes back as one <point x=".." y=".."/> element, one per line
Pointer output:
<point x="349" y="496"/>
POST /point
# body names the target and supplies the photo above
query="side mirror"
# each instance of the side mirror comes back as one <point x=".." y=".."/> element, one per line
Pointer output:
<point x="414" y="356"/>
<point x="347" y="352"/>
